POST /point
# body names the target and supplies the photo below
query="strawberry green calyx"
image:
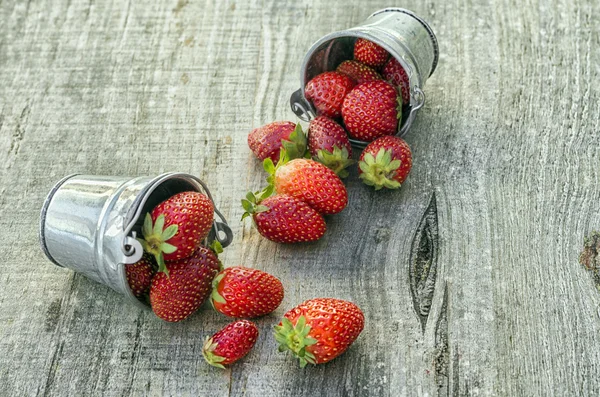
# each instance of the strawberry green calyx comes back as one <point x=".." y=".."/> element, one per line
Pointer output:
<point x="251" y="203"/>
<point x="296" y="146"/>
<point x="217" y="248"/>
<point x="208" y="352"/>
<point x="399" y="107"/>
<point x="337" y="161"/>
<point x="270" y="167"/>
<point x="296" y="339"/>
<point x="155" y="239"/>
<point x="379" y="171"/>
<point x="215" y="296"/>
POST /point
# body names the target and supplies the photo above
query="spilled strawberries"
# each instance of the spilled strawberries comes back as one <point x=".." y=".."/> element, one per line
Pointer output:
<point x="361" y="99"/>
<point x="181" y="270"/>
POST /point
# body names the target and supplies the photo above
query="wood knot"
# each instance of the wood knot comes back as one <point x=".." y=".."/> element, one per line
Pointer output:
<point x="590" y="257"/>
<point x="382" y="234"/>
<point x="423" y="262"/>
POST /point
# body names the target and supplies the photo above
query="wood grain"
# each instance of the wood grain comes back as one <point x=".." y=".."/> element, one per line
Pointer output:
<point x="507" y="143"/>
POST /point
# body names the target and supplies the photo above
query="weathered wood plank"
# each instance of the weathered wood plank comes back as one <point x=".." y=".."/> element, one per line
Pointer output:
<point x="507" y="143"/>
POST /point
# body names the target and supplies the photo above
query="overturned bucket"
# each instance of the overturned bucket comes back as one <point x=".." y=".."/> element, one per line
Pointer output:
<point x="406" y="36"/>
<point x="89" y="223"/>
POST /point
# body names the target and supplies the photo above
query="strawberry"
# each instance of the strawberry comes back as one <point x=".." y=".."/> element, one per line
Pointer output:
<point x="139" y="275"/>
<point x="370" y="54"/>
<point x="177" y="226"/>
<point x="370" y="110"/>
<point x="230" y="344"/>
<point x="245" y="292"/>
<point x="359" y="72"/>
<point x="283" y="218"/>
<point x="319" y="330"/>
<point x="327" y="92"/>
<point x="328" y="144"/>
<point x="395" y="74"/>
<point x="309" y="181"/>
<point x="385" y="162"/>
<point x="178" y="294"/>
<point x="266" y="141"/>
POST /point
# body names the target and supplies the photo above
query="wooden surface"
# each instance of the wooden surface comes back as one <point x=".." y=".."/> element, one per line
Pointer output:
<point x="468" y="277"/>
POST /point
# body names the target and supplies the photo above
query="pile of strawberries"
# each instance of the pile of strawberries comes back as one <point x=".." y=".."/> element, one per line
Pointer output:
<point x="362" y="99"/>
<point x="178" y="273"/>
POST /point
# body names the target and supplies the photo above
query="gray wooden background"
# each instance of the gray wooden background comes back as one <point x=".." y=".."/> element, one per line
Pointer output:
<point x="468" y="276"/>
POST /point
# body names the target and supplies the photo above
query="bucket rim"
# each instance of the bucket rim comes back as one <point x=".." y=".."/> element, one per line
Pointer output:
<point x="44" y="213"/>
<point x="432" y="36"/>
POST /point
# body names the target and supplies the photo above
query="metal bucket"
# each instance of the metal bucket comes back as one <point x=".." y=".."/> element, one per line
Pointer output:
<point x="407" y="37"/>
<point x="89" y="223"/>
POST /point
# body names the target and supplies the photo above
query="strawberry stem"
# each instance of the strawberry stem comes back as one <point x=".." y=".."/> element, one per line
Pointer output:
<point x="295" y="339"/>
<point x="155" y="239"/>
<point x="337" y="161"/>
<point x="380" y="171"/>
<point x="296" y="146"/>
<point x="251" y="203"/>
<point x="208" y="352"/>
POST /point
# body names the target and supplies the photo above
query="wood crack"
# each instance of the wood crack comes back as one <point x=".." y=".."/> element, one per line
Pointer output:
<point x="442" y="351"/>
<point x="53" y="368"/>
<point x="423" y="262"/>
<point x="19" y="133"/>
<point x="135" y="353"/>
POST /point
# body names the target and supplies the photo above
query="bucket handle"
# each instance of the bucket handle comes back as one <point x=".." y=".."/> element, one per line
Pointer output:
<point x="419" y="97"/>
<point x="131" y="245"/>
<point x="301" y="107"/>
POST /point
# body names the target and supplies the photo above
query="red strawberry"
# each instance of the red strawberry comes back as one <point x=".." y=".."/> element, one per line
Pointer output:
<point x="266" y="141"/>
<point x="370" y="54"/>
<point x="284" y="219"/>
<point x="327" y="92"/>
<point x="139" y="275"/>
<point x="230" y="344"/>
<point x="385" y="162"/>
<point x="395" y="74"/>
<point x="177" y="226"/>
<point x="358" y="72"/>
<point x="369" y="110"/>
<point x="309" y="181"/>
<point x="319" y="330"/>
<point x="175" y="296"/>
<point x="328" y="144"/>
<point x="244" y="292"/>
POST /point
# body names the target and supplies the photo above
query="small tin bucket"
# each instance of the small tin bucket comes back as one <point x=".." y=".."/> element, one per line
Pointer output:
<point x="89" y="223"/>
<point x="407" y="37"/>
